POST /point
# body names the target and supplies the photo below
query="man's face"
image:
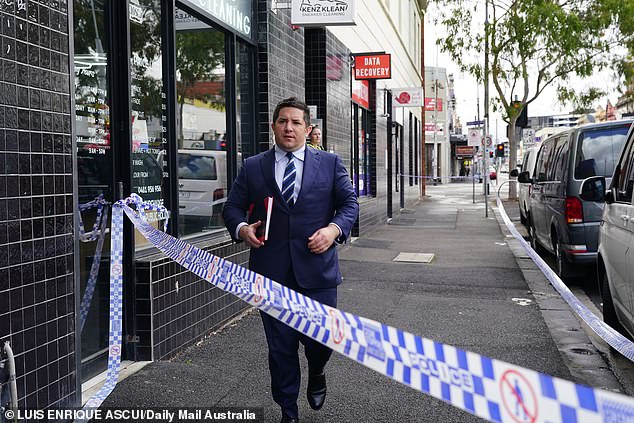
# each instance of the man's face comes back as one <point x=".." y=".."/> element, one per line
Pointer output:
<point x="290" y="129"/>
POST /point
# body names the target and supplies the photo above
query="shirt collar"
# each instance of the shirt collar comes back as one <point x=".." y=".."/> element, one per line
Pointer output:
<point x="298" y="154"/>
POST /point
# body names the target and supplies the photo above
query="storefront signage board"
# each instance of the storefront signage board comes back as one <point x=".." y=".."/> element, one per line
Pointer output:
<point x="322" y="12"/>
<point x="431" y="129"/>
<point x="372" y="66"/>
<point x="236" y="14"/>
<point x="361" y="93"/>
<point x="430" y="102"/>
<point x="464" y="151"/>
<point x="407" y="97"/>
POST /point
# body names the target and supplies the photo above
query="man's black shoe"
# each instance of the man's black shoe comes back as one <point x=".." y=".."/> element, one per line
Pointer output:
<point x="286" y="419"/>
<point x="316" y="392"/>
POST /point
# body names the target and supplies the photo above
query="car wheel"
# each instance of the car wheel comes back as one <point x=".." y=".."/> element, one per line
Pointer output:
<point x="532" y="234"/>
<point x="563" y="269"/>
<point x="609" y="312"/>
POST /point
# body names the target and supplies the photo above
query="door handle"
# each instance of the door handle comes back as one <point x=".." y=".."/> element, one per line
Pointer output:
<point x="626" y="219"/>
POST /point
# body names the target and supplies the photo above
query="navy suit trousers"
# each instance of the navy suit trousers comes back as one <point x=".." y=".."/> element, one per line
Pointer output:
<point x="283" y="342"/>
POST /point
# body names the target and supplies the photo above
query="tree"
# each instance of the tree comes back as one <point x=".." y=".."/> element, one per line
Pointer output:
<point x="534" y="44"/>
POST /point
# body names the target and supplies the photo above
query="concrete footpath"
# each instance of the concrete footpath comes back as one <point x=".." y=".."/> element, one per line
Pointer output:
<point x="470" y="296"/>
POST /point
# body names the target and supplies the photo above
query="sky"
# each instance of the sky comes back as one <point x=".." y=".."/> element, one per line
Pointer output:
<point x="466" y="93"/>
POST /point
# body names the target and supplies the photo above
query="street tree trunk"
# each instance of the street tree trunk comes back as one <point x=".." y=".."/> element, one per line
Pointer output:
<point x="513" y="146"/>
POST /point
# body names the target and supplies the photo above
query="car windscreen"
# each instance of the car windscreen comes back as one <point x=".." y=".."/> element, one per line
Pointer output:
<point x="192" y="166"/>
<point x="598" y="151"/>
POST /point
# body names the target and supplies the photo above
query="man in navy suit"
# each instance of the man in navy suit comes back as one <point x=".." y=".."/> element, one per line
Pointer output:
<point x="314" y="208"/>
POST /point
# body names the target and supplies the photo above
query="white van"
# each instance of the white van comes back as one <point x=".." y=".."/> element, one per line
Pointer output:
<point x="202" y="189"/>
<point x="528" y="165"/>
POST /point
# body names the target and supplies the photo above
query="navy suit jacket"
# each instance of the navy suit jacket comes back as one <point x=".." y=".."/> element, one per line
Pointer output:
<point x="326" y="196"/>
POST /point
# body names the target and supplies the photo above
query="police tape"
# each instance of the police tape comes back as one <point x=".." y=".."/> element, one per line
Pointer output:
<point x="488" y="388"/>
<point x="607" y="333"/>
<point x="98" y="232"/>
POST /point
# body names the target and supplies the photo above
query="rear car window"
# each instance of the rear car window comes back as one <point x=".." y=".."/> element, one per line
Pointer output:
<point x="598" y="151"/>
<point x="527" y="157"/>
<point x="191" y="166"/>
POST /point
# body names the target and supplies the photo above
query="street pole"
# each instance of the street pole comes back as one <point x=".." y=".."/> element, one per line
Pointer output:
<point x="485" y="171"/>
<point x="435" y="155"/>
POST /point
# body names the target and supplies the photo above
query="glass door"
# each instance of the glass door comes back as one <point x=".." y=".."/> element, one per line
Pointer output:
<point x="96" y="178"/>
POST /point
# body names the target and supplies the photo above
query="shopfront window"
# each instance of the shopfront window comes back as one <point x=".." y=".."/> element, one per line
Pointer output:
<point x="149" y="144"/>
<point x="202" y="125"/>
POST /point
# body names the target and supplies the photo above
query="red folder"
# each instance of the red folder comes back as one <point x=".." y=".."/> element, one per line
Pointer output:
<point x="261" y="211"/>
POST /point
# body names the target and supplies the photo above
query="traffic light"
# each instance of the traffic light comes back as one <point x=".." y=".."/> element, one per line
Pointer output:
<point x="522" y="119"/>
<point x="490" y="154"/>
<point x="499" y="150"/>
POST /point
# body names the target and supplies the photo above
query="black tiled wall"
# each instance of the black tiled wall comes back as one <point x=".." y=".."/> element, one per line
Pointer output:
<point x="36" y="201"/>
<point x="338" y="101"/>
<point x="281" y="65"/>
<point x="175" y="308"/>
<point x="328" y="87"/>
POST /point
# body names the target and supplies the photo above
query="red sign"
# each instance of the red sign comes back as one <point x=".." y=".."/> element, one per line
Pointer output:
<point x="430" y="128"/>
<point x="373" y="66"/>
<point x="361" y="93"/>
<point x="430" y="102"/>
<point x="464" y="151"/>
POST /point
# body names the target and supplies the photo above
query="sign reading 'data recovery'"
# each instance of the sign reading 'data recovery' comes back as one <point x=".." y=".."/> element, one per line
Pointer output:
<point x="372" y="66"/>
<point x="322" y="12"/>
<point x="407" y="97"/>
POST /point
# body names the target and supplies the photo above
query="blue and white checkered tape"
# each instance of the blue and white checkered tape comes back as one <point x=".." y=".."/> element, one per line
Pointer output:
<point x="98" y="233"/>
<point x="100" y="204"/>
<point x="607" y="333"/>
<point x="115" y="338"/>
<point x="488" y="388"/>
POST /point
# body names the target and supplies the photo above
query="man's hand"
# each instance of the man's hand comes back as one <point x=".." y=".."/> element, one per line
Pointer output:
<point x="322" y="239"/>
<point x="247" y="234"/>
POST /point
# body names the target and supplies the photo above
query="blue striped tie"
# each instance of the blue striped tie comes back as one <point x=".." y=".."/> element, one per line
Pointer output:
<point x="288" y="183"/>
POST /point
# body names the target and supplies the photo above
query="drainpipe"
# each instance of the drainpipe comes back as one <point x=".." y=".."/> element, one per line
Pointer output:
<point x="13" y="387"/>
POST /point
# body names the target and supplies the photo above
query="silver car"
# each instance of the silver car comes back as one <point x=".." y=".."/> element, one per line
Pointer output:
<point x="615" y="261"/>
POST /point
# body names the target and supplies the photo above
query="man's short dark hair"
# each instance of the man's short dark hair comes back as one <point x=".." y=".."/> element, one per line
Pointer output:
<point x="295" y="103"/>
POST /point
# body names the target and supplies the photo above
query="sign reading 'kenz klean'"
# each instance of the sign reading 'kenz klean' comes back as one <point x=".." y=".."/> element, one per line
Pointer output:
<point x="372" y="66"/>
<point x="322" y="12"/>
<point x="238" y="14"/>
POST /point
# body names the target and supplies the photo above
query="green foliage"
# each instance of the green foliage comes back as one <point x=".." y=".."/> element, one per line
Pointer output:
<point x="533" y="43"/>
<point x="581" y="101"/>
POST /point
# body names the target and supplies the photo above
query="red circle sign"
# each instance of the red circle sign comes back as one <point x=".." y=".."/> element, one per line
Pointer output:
<point x="518" y="397"/>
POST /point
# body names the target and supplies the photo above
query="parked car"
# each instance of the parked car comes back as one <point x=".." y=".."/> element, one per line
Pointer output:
<point x="493" y="175"/>
<point x="558" y="219"/>
<point x="202" y="182"/>
<point x="615" y="261"/>
<point x="524" y="191"/>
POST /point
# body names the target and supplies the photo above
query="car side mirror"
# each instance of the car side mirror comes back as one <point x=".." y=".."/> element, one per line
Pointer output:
<point x="514" y="173"/>
<point x="593" y="189"/>
<point x="524" y="178"/>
